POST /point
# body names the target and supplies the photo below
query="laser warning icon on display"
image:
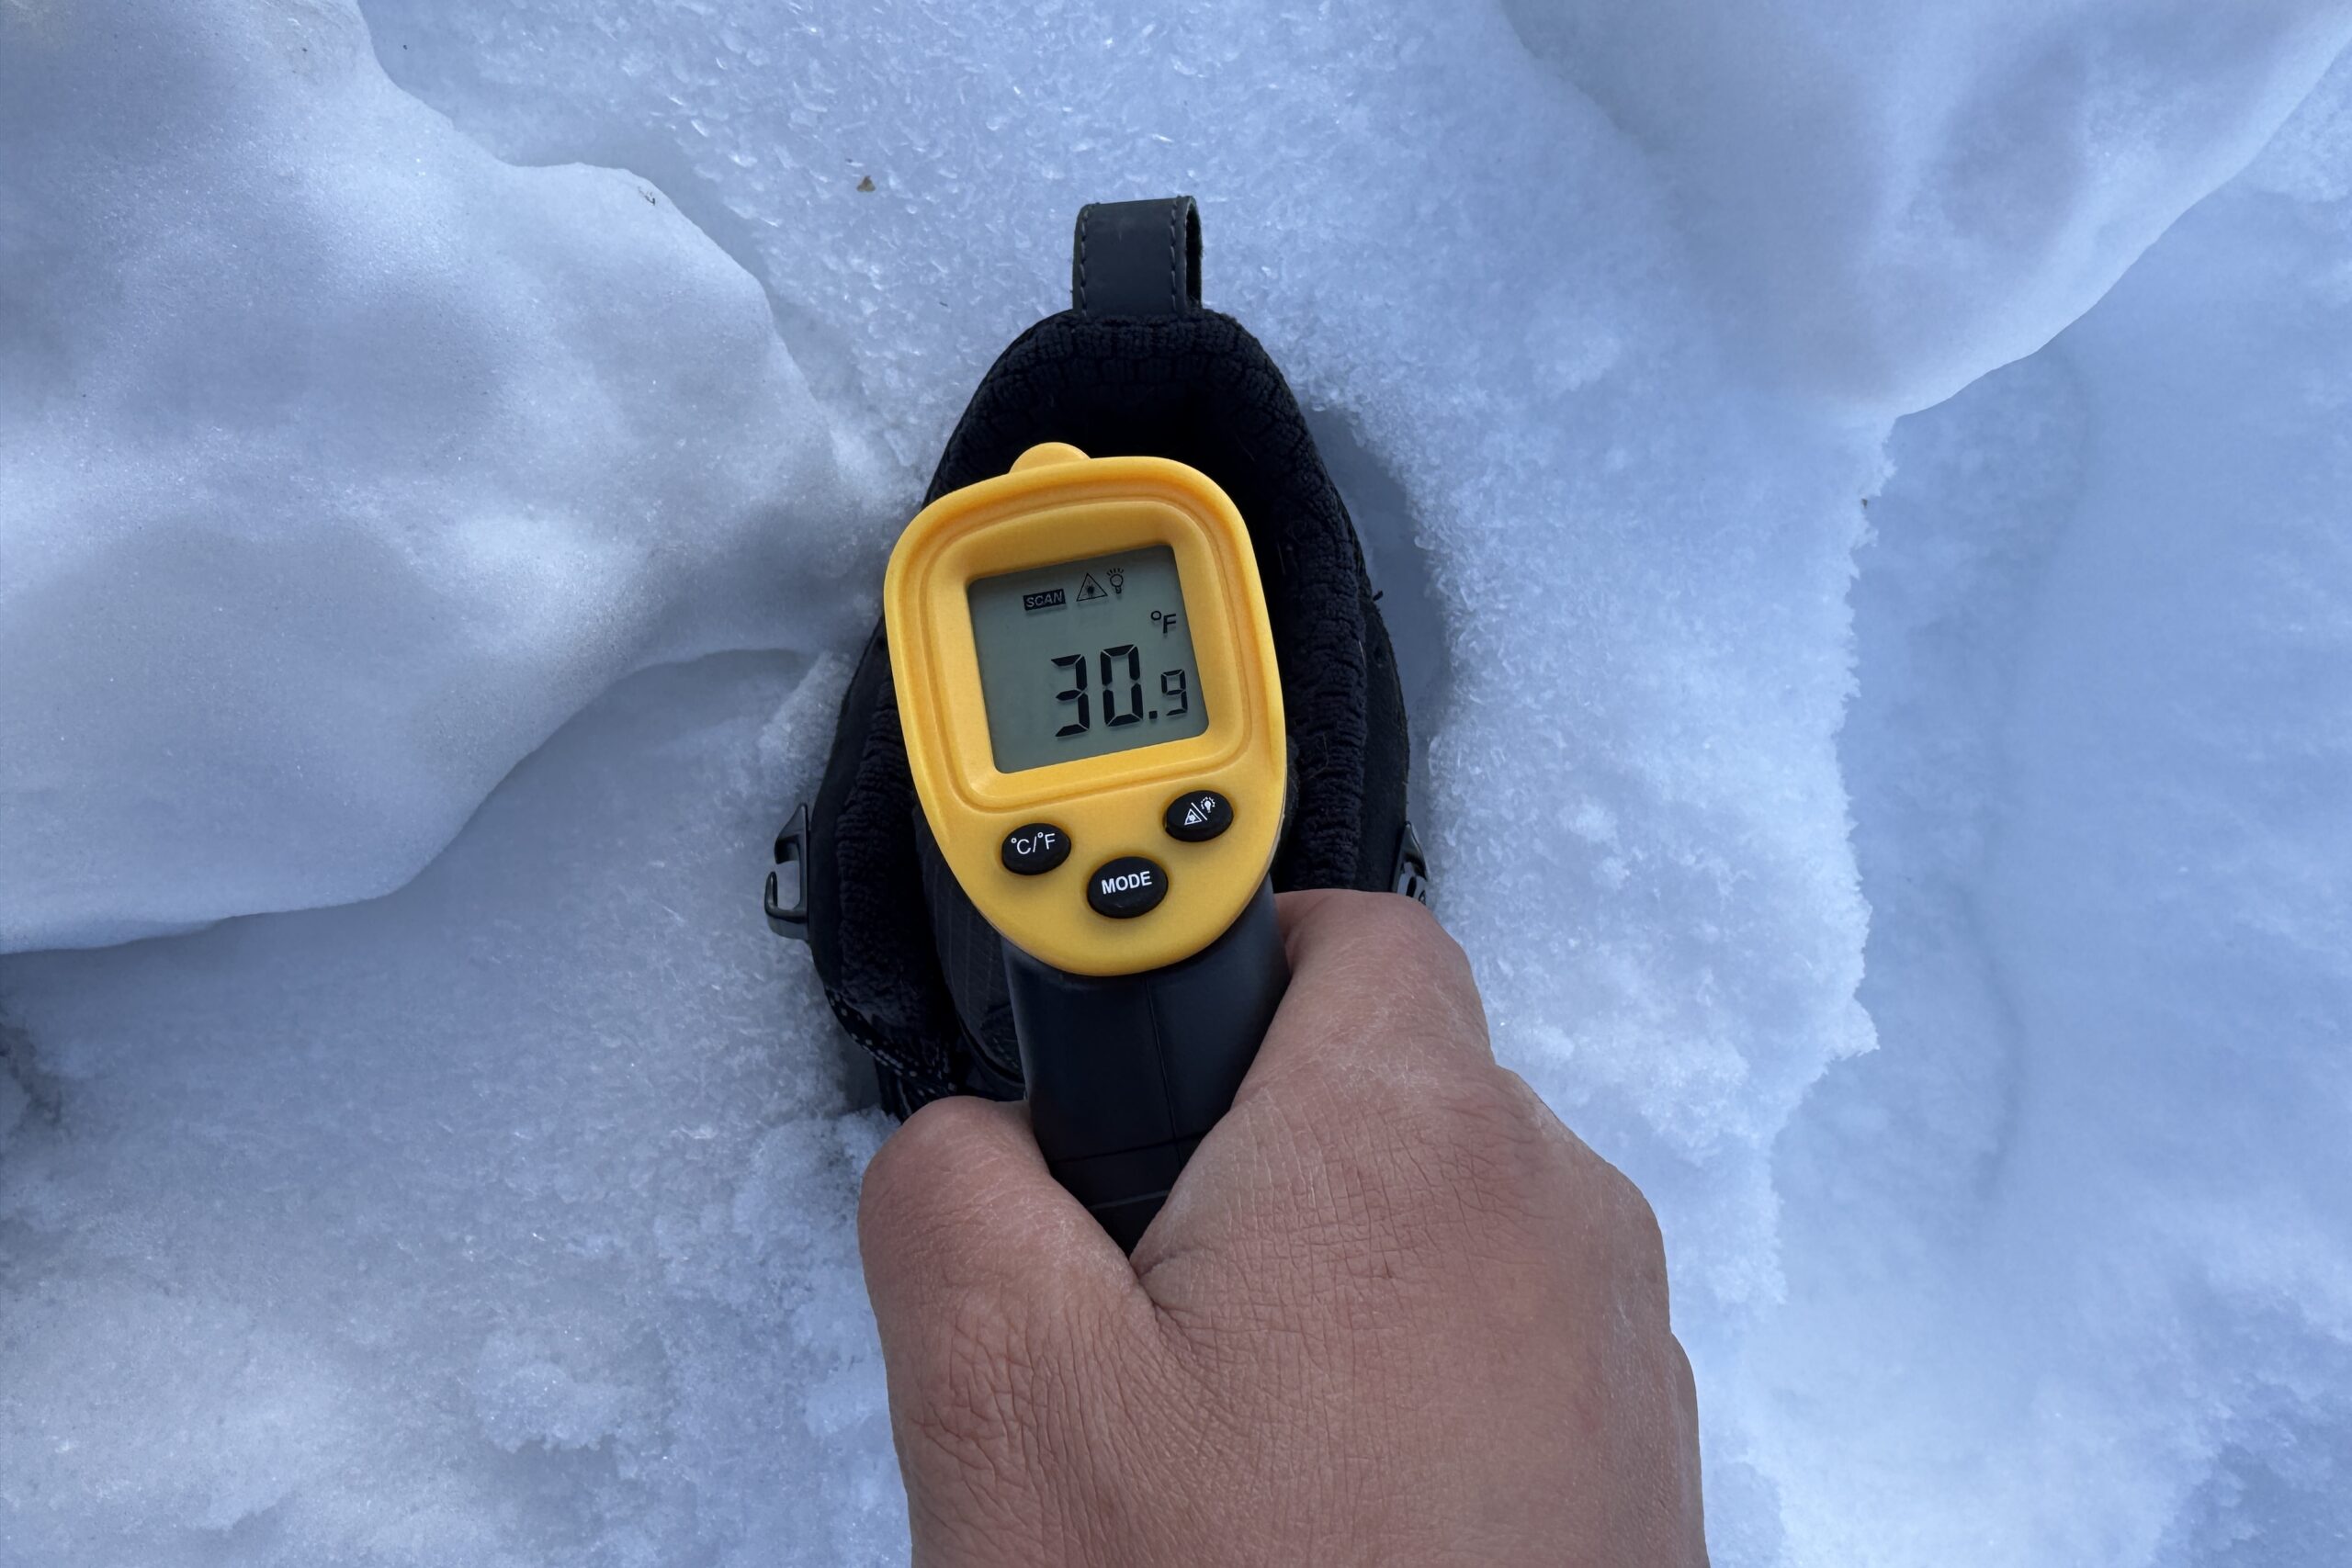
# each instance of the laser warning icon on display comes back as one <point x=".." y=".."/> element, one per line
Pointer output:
<point x="1090" y="589"/>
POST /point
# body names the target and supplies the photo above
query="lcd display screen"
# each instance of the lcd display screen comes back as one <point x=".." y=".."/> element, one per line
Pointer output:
<point x="1087" y="657"/>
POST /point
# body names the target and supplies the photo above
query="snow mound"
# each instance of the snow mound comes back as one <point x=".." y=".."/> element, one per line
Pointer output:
<point x="2072" y="1247"/>
<point x="1893" y="199"/>
<point x="343" y="463"/>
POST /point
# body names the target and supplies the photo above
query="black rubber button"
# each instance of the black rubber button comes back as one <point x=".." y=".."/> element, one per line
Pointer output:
<point x="1198" y="816"/>
<point x="1127" y="887"/>
<point x="1034" y="848"/>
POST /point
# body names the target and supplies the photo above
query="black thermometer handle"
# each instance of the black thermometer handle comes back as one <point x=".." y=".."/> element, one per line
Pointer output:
<point x="1128" y="1073"/>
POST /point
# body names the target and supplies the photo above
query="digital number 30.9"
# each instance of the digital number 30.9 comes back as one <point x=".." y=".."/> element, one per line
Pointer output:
<point x="1122" y="664"/>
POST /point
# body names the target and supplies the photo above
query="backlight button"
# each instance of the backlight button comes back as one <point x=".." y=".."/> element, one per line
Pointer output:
<point x="1197" y="816"/>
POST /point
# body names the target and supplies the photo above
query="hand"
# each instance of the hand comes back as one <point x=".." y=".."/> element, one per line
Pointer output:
<point x="1393" y="1312"/>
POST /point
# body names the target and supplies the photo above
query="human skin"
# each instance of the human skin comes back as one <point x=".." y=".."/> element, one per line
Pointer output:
<point x="1394" y="1313"/>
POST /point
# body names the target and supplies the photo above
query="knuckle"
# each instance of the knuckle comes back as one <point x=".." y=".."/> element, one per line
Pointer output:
<point x="1681" y="1379"/>
<point x="1599" y="1187"/>
<point x="879" y="1191"/>
<point x="1497" y="1150"/>
<point x="1483" y="1145"/>
<point x="1471" y="1113"/>
<point x="908" y="1169"/>
<point x="1632" y="1223"/>
<point x="935" y="1130"/>
<point x="1629" y="1236"/>
<point x="1402" y="938"/>
<point x="1644" y="1234"/>
<point x="1454" y="1147"/>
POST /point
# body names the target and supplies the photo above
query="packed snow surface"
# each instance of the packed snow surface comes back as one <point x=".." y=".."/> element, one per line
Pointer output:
<point x="1909" y="835"/>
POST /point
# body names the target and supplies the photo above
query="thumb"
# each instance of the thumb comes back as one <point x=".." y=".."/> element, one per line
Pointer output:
<point x="959" y="1214"/>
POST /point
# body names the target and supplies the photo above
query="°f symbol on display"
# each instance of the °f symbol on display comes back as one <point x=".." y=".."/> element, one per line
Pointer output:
<point x="1090" y="589"/>
<point x="1165" y="621"/>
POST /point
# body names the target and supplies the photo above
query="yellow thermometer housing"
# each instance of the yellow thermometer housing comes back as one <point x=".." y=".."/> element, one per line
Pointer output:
<point x="1162" y="841"/>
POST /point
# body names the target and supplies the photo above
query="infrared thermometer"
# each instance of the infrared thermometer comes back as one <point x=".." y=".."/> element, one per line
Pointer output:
<point x="1093" y="721"/>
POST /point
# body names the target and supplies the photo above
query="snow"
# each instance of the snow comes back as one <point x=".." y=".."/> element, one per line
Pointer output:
<point x="1890" y="199"/>
<point x="482" y="1222"/>
<point x="1938" y="906"/>
<point x="2101" y="1157"/>
<point x="343" y="464"/>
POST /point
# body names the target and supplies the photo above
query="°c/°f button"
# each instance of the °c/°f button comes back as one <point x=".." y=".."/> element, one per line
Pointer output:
<point x="1034" y="849"/>
<point x="1125" y="887"/>
<point x="1197" y="816"/>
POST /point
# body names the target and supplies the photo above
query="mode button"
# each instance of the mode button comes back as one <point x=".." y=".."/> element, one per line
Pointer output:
<point x="1127" y="887"/>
